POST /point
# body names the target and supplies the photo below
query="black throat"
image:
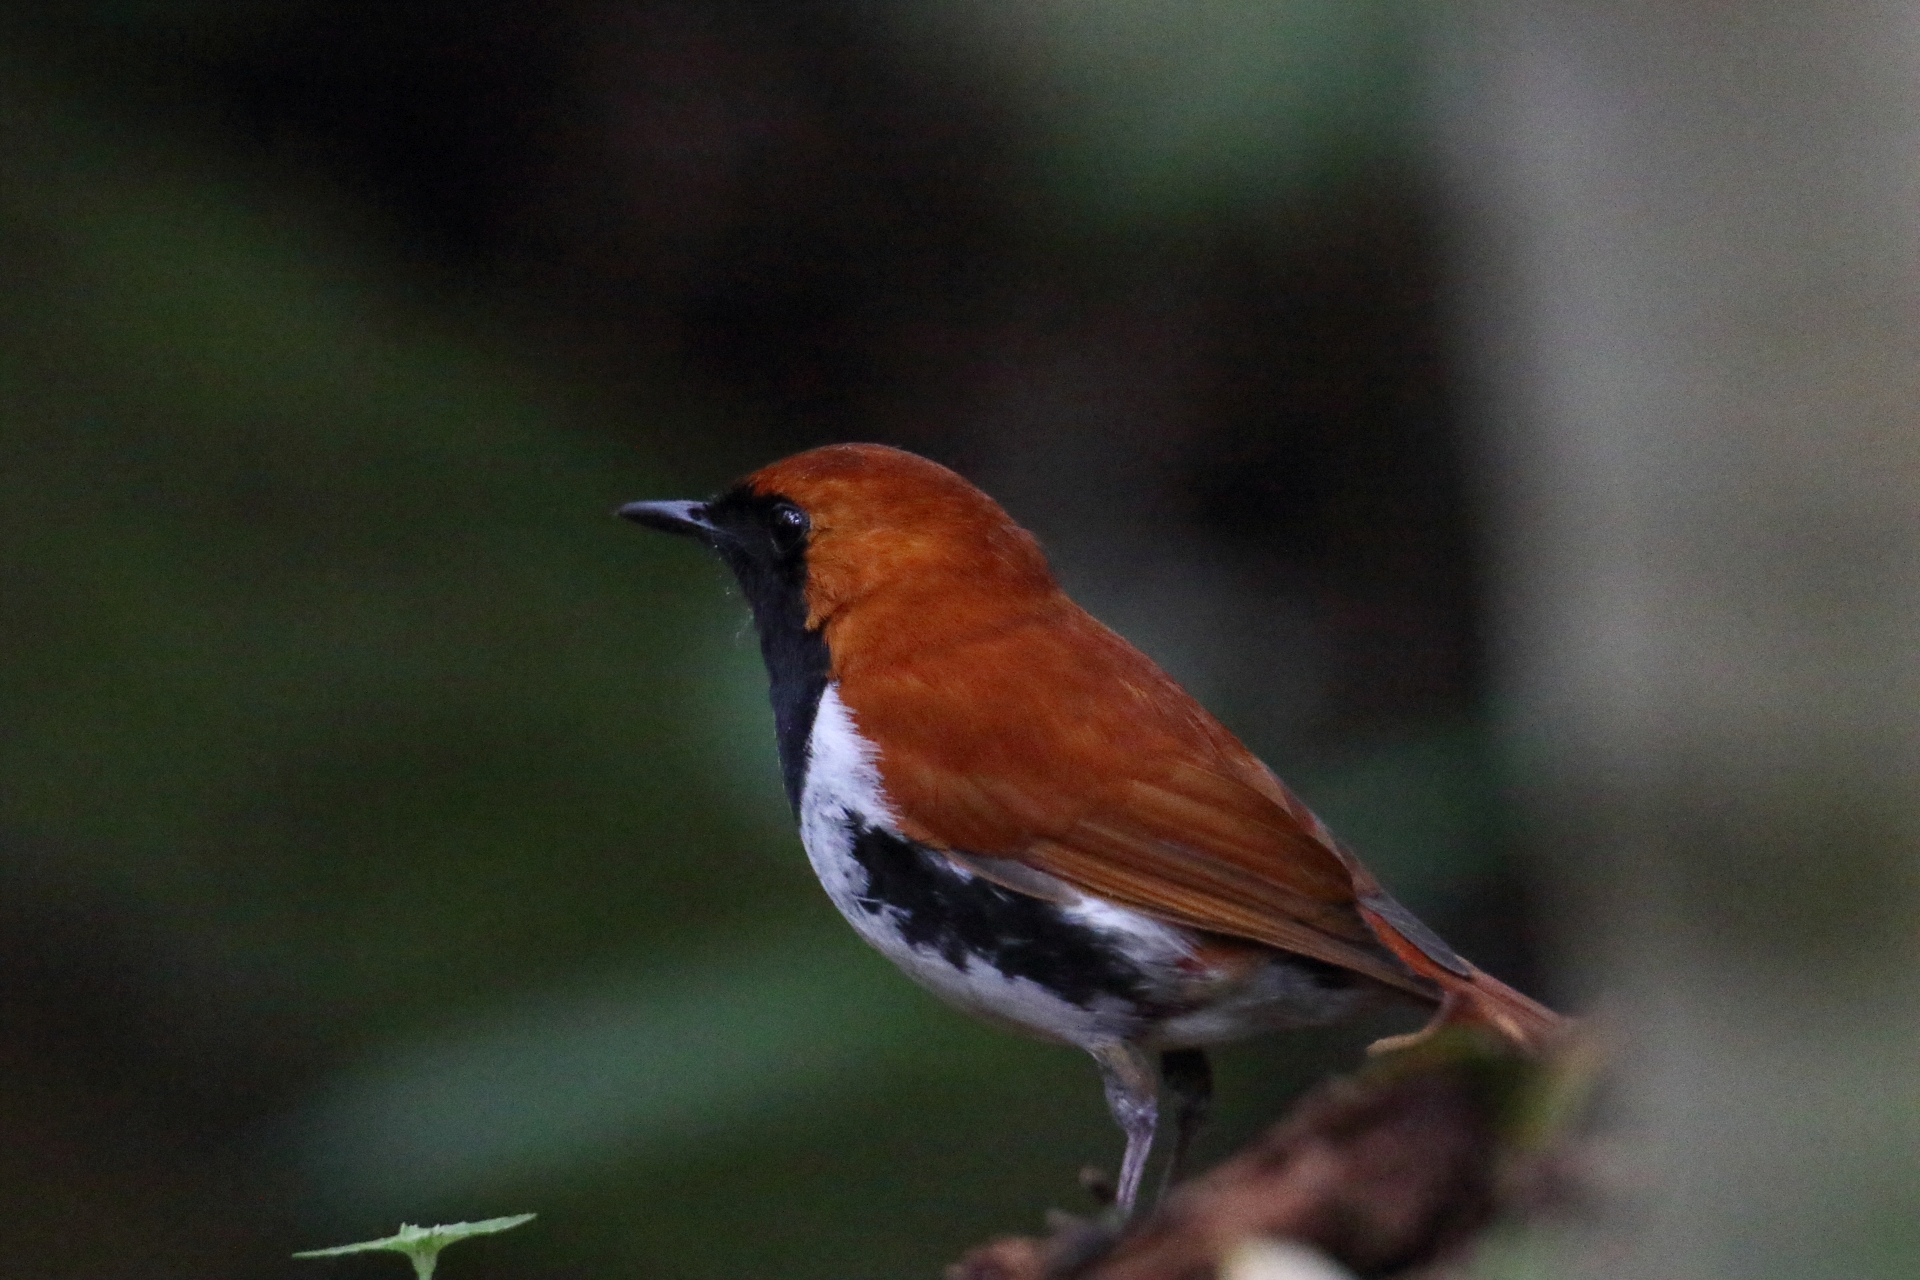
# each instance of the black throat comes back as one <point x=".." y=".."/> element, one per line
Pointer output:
<point x="773" y="577"/>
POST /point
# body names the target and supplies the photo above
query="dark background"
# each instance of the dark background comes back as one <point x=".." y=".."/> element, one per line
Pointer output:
<point x="387" y="833"/>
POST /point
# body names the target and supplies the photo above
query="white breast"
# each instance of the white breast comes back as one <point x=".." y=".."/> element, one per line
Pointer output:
<point x="842" y="782"/>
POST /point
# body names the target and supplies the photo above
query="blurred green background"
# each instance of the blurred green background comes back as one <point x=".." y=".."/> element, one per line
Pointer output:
<point x="388" y="833"/>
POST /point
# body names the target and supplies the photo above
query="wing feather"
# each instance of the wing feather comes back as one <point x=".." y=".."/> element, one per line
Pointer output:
<point x="1057" y="746"/>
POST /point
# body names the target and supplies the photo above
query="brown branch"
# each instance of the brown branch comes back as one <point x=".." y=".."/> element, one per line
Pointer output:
<point x="1394" y="1169"/>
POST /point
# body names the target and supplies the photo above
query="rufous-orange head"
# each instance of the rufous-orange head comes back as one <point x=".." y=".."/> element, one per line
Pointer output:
<point x="872" y="549"/>
<point x="885" y="525"/>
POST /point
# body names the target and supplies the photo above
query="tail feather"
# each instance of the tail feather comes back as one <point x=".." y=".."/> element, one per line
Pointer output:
<point x="1468" y="995"/>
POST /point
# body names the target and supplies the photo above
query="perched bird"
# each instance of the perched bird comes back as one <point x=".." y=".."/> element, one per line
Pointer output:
<point x="1023" y="812"/>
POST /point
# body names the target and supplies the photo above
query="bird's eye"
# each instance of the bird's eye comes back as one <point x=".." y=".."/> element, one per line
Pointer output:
<point x="789" y="528"/>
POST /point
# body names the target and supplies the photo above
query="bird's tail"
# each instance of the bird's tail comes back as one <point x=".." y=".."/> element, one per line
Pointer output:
<point x="1467" y="994"/>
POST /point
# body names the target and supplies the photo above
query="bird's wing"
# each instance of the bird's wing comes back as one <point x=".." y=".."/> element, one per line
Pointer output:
<point x="1058" y="746"/>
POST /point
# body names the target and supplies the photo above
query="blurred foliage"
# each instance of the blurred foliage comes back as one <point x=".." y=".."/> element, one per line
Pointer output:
<point x="389" y="832"/>
<point x="1152" y="111"/>
<point x="284" y="566"/>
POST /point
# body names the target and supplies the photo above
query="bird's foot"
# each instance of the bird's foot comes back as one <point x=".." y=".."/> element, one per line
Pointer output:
<point x="1442" y="1017"/>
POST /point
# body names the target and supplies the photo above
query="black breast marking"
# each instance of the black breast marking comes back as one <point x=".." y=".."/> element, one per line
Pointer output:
<point x="963" y="918"/>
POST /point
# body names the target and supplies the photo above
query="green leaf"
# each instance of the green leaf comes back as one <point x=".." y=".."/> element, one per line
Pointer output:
<point x="422" y="1244"/>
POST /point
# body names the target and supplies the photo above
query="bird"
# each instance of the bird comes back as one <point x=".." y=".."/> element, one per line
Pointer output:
<point x="1028" y="816"/>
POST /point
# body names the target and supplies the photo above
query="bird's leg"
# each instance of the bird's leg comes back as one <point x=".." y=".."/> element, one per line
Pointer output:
<point x="1190" y="1080"/>
<point x="1132" y="1086"/>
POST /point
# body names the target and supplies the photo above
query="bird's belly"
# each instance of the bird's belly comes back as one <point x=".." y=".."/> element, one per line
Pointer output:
<point x="1005" y="956"/>
<point x="1082" y="972"/>
<point x="1077" y="970"/>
